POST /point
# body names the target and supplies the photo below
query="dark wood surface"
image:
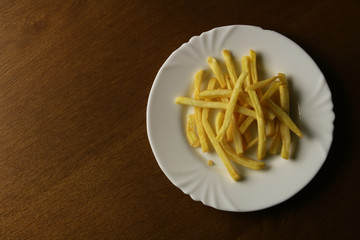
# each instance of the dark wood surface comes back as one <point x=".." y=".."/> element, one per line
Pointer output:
<point x="75" y="161"/>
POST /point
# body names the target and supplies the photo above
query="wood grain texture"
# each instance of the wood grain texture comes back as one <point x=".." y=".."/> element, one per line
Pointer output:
<point x="75" y="162"/>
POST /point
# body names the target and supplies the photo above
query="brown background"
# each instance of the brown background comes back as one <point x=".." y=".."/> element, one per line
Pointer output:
<point x="75" y="162"/>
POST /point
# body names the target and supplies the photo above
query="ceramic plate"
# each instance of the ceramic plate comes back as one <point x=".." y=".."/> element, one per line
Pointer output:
<point x="187" y="168"/>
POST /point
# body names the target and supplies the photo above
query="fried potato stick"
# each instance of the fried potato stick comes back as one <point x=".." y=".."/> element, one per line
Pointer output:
<point x="242" y="160"/>
<point x="245" y="124"/>
<point x="254" y="75"/>
<point x="230" y="65"/>
<point x="219" y="121"/>
<point x="190" y="133"/>
<point x="283" y="117"/>
<point x="231" y="106"/>
<point x="271" y="90"/>
<point x="217" y="71"/>
<point x="275" y="140"/>
<point x="232" y="171"/>
<point x="245" y="62"/>
<point x="261" y="84"/>
<point x="217" y="105"/>
<point x="261" y="151"/>
<point x="284" y="130"/>
<point x="200" y="129"/>
<point x="225" y="93"/>
<point x="238" y="140"/>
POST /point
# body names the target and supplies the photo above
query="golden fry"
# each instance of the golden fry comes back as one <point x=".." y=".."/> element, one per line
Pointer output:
<point x="283" y="117"/>
<point x="284" y="130"/>
<point x="216" y="93"/>
<point x="232" y="171"/>
<point x="229" y="133"/>
<point x="200" y="129"/>
<point x="275" y="140"/>
<point x="190" y="134"/>
<point x="261" y="84"/>
<point x="271" y="90"/>
<point x="219" y="121"/>
<point x="238" y="141"/>
<point x="254" y="75"/>
<point x="251" y="143"/>
<point x="230" y="66"/>
<point x="210" y="86"/>
<point x="217" y="71"/>
<point x="248" y="135"/>
<point x="216" y="105"/>
<point x="228" y="81"/>
<point x="242" y="160"/>
<point x="245" y="62"/>
<point x="197" y="83"/>
<point x="270" y="128"/>
<point x="231" y="106"/>
<point x="261" y="125"/>
<point x="245" y="124"/>
<point x="282" y="78"/>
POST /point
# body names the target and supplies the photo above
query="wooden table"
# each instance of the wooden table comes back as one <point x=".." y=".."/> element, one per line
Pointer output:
<point x="75" y="161"/>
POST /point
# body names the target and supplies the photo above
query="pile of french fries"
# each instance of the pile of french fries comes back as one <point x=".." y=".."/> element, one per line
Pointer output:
<point x="249" y="112"/>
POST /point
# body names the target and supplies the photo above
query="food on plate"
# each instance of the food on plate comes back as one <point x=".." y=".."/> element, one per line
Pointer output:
<point x="197" y="110"/>
<point x="249" y="112"/>
<point x="190" y="131"/>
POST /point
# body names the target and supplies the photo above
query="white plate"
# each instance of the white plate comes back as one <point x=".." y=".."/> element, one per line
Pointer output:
<point x="187" y="168"/>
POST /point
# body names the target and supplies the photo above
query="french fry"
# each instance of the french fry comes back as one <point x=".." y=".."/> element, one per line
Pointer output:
<point x="241" y="119"/>
<point x="231" y="106"/>
<point x="271" y="90"/>
<point x="197" y="83"/>
<point x="216" y="93"/>
<point x="270" y="128"/>
<point x="190" y="134"/>
<point x="219" y="121"/>
<point x="200" y="129"/>
<point x="251" y="143"/>
<point x="217" y="71"/>
<point x="238" y="141"/>
<point x="268" y="114"/>
<point x="248" y="135"/>
<point x="283" y="117"/>
<point x="217" y="105"/>
<point x="260" y="84"/>
<point x="230" y="65"/>
<point x="284" y="130"/>
<point x="254" y="75"/>
<point x="245" y="66"/>
<point x="228" y="81"/>
<point x="275" y="140"/>
<point x="242" y="160"/>
<point x="210" y="86"/>
<point x="229" y="132"/>
<point x="283" y="79"/>
<point x="245" y="124"/>
<point x="261" y="151"/>
<point x="232" y="171"/>
<point x="225" y="93"/>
